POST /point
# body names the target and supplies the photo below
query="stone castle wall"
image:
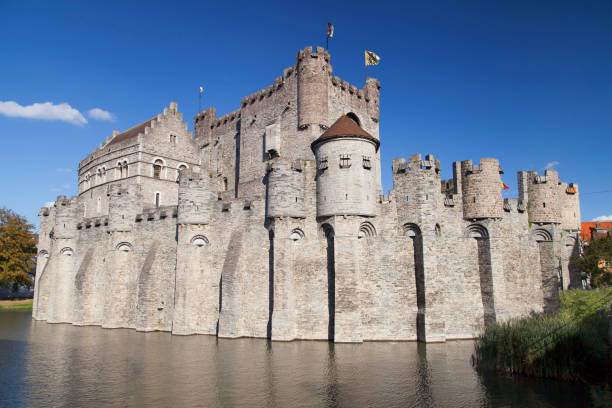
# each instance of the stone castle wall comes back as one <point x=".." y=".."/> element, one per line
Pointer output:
<point x="252" y="237"/>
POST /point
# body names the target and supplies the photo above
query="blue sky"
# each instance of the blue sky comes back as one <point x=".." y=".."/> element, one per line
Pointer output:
<point x="527" y="82"/>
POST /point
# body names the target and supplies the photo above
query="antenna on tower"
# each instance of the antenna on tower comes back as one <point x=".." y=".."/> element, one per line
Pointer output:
<point x="200" y="100"/>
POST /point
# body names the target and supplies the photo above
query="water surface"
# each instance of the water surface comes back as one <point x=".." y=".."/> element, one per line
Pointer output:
<point x="60" y="365"/>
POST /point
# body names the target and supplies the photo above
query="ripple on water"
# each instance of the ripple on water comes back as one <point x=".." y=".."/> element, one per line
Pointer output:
<point x="66" y="366"/>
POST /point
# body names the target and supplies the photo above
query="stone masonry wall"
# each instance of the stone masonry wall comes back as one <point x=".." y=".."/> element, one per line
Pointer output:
<point x="238" y="246"/>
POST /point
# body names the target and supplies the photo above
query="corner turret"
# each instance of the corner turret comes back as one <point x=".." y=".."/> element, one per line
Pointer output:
<point x="346" y="183"/>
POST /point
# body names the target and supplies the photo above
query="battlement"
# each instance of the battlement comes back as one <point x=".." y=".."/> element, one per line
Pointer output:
<point x="308" y="52"/>
<point x="88" y="223"/>
<point x="62" y="201"/>
<point x="415" y="162"/>
<point x="158" y="213"/>
<point x="549" y="176"/>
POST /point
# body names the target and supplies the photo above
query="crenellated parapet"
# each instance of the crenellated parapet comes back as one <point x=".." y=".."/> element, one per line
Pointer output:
<point x="481" y="184"/>
<point x="548" y="200"/>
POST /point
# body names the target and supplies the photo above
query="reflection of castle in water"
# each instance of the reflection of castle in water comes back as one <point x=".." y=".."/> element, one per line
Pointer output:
<point x="270" y="222"/>
<point x="63" y="365"/>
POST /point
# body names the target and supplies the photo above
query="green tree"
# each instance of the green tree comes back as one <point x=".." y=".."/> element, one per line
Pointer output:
<point x="17" y="249"/>
<point x="596" y="262"/>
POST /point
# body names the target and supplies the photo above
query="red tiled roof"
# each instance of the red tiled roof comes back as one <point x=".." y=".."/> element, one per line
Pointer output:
<point x="589" y="226"/>
<point x="345" y="127"/>
<point x="131" y="133"/>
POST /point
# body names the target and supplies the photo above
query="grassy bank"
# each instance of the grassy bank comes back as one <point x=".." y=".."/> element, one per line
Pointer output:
<point x="572" y="344"/>
<point x="22" y="304"/>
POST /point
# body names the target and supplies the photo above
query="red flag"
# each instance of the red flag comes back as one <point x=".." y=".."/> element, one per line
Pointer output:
<point x="504" y="186"/>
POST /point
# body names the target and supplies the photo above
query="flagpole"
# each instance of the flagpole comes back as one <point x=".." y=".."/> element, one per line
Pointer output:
<point x="200" y="102"/>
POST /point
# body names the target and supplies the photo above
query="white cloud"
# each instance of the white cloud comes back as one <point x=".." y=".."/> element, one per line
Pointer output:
<point x="551" y="165"/>
<point x="100" y="114"/>
<point x="603" y="218"/>
<point x="45" y="111"/>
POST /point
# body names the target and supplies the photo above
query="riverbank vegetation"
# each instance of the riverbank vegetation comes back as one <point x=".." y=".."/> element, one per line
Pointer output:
<point x="23" y="304"/>
<point x="596" y="262"/>
<point x="17" y="250"/>
<point x="571" y="344"/>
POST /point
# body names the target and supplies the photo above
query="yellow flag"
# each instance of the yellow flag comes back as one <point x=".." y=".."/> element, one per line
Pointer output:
<point x="371" y="58"/>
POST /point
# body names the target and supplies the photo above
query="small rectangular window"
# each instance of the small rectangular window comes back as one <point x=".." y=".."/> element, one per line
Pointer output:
<point x="345" y="161"/>
<point x="323" y="163"/>
<point x="366" y="162"/>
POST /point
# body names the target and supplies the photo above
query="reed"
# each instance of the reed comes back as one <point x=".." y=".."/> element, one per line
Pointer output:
<point x="571" y="344"/>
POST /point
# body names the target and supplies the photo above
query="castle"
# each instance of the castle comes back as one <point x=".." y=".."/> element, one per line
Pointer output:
<point x="271" y="221"/>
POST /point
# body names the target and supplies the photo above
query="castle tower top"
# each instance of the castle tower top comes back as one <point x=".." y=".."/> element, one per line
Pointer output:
<point x="345" y="127"/>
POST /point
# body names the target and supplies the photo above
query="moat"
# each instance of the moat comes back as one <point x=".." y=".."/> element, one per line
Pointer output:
<point x="61" y="365"/>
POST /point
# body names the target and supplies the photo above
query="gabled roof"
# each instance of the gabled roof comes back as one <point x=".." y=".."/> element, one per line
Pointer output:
<point x="345" y="127"/>
<point x="131" y="133"/>
<point x="588" y="228"/>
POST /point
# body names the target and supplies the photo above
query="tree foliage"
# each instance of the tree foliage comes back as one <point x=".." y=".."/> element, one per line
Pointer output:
<point x="595" y="262"/>
<point x="17" y="249"/>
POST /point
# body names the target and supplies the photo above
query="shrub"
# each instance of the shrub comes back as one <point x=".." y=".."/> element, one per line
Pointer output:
<point x="571" y="344"/>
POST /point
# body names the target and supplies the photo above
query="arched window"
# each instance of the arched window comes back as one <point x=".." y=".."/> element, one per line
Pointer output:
<point x="157" y="199"/>
<point x="296" y="234"/>
<point x="119" y="171"/>
<point x="180" y="167"/>
<point x="366" y="230"/>
<point x="172" y="139"/>
<point x="104" y="174"/>
<point x="99" y="179"/>
<point x="124" y="247"/>
<point x="124" y="169"/>
<point x="157" y="168"/>
<point x="224" y="183"/>
<point x="199" y="241"/>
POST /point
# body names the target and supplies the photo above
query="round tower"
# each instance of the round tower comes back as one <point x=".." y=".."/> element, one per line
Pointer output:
<point x="544" y="197"/>
<point x="313" y="71"/>
<point x="346" y="179"/>
<point x="285" y="190"/>
<point x="481" y="185"/>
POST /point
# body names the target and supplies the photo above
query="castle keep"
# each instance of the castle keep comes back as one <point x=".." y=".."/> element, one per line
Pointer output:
<point x="271" y="221"/>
